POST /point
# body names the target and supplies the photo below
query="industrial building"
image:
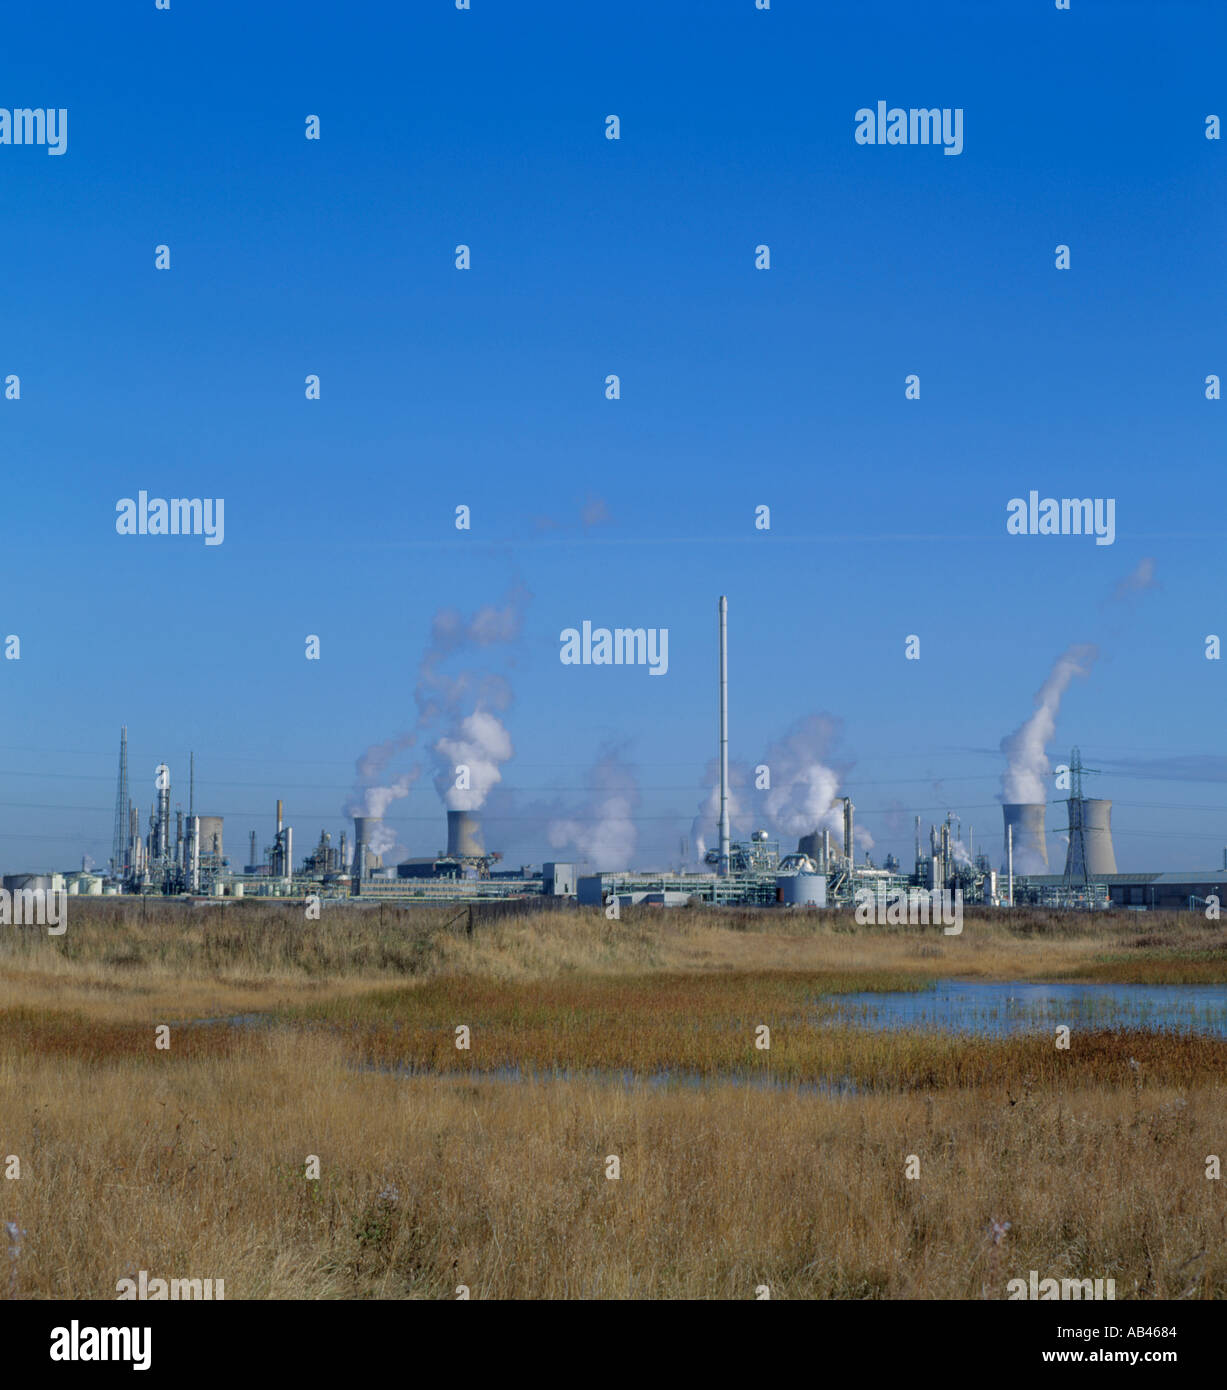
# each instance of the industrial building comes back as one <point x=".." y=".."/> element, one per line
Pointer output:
<point x="185" y="854"/>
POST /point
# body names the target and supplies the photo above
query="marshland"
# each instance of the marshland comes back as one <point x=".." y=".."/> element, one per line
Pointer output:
<point x="763" y="1108"/>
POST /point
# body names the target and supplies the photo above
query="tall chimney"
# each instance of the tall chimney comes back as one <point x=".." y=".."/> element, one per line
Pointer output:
<point x="849" y="853"/>
<point x="723" y="866"/>
<point x="1009" y="858"/>
<point x="193" y="854"/>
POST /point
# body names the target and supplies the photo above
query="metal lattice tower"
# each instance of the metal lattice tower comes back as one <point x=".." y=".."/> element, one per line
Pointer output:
<point x="119" y="845"/>
<point x="1077" y="824"/>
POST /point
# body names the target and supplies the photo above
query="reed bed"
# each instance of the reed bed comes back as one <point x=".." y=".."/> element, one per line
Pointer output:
<point x="486" y="1166"/>
<point x="195" y="1167"/>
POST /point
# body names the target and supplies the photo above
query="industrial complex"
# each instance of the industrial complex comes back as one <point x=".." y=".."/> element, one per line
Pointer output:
<point x="184" y="854"/>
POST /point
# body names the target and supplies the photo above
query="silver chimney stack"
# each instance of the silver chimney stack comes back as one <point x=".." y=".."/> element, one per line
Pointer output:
<point x="723" y="867"/>
<point x="1009" y="858"/>
<point x="193" y="854"/>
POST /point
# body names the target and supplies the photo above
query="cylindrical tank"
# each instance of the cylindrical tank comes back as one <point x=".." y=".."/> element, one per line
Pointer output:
<point x="34" y="883"/>
<point x="1093" y="817"/>
<point x="237" y="890"/>
<point x="801" y="890"/>
<point x="1030" y="844"/>
<point x="464" y="835"/>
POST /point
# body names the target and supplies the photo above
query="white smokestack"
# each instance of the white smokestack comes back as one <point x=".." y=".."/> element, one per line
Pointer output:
<point x="724" y="738"/>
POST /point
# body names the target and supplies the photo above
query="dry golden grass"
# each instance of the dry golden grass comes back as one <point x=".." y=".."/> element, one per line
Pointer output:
<point x="195" y="1168"/>
<point x="190" y="1162"/>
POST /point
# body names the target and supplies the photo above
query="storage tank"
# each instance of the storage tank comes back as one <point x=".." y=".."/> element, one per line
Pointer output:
<point x="33" y="883"/>
<point x="1093" y="817"/>
<point x="801" y="890"/>
<point x="1030" y="844"/>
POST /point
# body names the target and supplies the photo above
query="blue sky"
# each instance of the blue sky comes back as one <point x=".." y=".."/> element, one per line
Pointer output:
<point x="486" y="387"/>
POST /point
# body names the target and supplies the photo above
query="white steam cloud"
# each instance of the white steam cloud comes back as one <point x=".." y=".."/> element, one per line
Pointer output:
<point x="707" y="821"/>
<point x="802" y="797"/>
<point x="604" y="834"/>
<point x="1138" y="581"/>
<point x="479" y="745"/>
<point x="803" y="791"/>
<point x="453" y="693"/>
<point x="1025" y="777"/>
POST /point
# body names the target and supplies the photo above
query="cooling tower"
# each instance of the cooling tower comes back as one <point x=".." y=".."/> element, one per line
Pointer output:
<point x="464" y="836"/>
<point x="1030" y="846"/>
<point x="363" y="825"/>
<point x="211" y="828"/>
<point x="1090" y="854"/>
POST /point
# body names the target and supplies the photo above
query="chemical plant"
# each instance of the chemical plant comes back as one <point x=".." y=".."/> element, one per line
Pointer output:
<point x="185" y="855"/>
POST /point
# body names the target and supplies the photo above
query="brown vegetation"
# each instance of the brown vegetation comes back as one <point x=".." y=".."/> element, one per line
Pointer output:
<point x="743" y="1167"/>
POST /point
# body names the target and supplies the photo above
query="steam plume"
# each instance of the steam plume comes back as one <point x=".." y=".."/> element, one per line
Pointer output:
<point x="1025" y="777"/>
<point x="604" y="835"/>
